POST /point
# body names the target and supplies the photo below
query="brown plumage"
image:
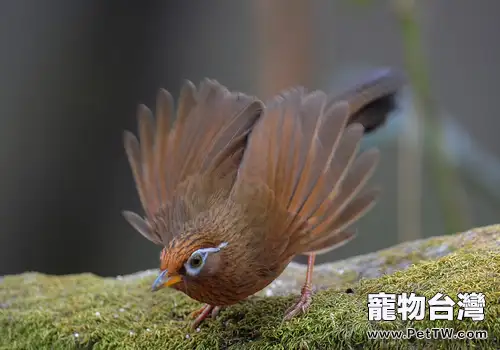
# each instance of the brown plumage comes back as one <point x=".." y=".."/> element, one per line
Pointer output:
<point x="235" y="188"/>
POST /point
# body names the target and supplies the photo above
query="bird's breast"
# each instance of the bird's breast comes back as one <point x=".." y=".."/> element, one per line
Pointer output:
<point x="230" y="289"/>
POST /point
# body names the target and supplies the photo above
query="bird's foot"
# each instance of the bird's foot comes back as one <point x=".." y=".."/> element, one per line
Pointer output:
<point x="202" y="313"/>
<point x="302" y="305"/>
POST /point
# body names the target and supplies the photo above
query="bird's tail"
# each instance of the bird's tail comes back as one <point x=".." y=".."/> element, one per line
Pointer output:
<point x="303" y="149"/>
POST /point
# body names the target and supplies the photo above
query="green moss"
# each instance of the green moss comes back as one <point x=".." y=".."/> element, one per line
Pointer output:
<point x="86" y="311"/>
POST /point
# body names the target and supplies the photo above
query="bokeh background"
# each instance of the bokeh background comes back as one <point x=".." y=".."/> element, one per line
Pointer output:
<point x="73" y="72"/>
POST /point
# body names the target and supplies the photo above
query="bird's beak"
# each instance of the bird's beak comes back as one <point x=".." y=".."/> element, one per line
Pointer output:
<point x="163" y="280"/>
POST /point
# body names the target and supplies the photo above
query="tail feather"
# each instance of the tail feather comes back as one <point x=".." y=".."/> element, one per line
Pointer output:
<point x="206" y="141"/>
<point x="373" y="99"/>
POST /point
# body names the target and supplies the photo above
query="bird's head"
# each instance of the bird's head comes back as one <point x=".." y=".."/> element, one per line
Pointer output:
<point x="183" y="265"/>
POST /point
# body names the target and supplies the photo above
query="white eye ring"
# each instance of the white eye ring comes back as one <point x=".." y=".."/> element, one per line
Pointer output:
<point x="199" y="258"/>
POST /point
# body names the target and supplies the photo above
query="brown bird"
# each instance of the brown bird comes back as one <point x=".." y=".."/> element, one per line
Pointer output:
<point x="235" y="188"/>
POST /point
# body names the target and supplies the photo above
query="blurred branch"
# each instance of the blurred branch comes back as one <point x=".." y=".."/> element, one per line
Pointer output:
<point x="410" y="161"/>
<point x="454" y="215"/>
<point x="285" y="44"/>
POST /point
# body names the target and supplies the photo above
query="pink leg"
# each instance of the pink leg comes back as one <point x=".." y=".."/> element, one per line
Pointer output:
<point x="202" y="313"/>
<point x="302" y="305"/>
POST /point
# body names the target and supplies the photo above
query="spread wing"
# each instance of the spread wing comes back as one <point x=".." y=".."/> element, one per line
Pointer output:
<point x="205" y="144"/>
<point x="304" y="151"/>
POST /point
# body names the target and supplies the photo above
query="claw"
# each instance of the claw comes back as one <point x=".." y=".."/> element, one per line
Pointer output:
<point x="202" y="313"/>
<point x="301" y="306"/>
<point x="195" y="313"/>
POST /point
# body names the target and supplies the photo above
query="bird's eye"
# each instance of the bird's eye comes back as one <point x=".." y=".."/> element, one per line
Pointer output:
<point x="196" y="261"/>
<point x="195" y="264"/>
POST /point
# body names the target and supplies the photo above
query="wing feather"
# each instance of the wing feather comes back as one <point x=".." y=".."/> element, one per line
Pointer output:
<point x="200" y="151"/>
<point x="304" y="150"/>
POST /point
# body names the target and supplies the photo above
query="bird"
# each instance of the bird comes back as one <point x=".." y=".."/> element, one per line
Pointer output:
<point x="233" y="188"/>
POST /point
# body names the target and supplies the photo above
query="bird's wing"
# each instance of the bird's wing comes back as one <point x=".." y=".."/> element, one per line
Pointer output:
<point x="206" y="141"/>
<point x="303" y="149"/>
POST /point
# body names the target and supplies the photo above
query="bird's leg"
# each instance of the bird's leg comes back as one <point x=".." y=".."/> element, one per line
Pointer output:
<point x="203" y="313"/>
<point x="302" y="305"/>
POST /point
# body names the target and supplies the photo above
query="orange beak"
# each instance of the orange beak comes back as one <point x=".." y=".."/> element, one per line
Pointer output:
<point x="164" y="280"/>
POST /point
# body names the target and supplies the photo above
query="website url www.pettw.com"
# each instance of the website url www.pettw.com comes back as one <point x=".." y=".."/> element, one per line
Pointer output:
<point x="428" y="333"/>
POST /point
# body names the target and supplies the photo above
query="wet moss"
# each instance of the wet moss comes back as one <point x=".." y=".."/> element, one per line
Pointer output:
<point x="88" y="312"/>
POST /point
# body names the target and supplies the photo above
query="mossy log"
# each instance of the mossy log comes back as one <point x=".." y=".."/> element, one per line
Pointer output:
<point x="89" y="312"/>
